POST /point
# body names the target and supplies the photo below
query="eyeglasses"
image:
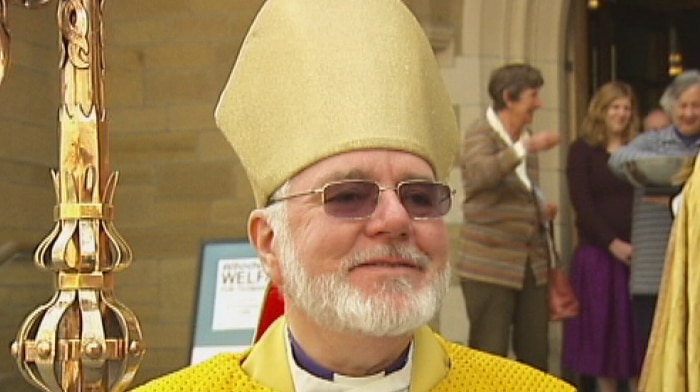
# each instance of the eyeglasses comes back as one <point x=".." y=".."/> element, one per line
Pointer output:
<point x="357" y="199"/>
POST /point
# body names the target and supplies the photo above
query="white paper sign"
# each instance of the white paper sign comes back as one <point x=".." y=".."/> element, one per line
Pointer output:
<point x="240" y="291"/>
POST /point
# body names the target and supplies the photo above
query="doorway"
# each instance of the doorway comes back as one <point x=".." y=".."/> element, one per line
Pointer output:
<point x="633" y="40"/>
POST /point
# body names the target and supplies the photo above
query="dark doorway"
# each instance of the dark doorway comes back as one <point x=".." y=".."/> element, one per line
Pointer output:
<point x="631" y="40"/>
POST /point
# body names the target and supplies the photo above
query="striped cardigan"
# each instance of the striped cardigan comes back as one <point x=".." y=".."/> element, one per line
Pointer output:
<point x="500" y="232"/>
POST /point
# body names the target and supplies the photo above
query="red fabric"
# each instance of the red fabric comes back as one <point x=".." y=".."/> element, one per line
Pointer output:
<point x="272" y="308"/>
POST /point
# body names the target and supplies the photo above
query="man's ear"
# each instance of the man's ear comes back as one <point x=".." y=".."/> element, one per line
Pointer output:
<point x="262" y="237"/>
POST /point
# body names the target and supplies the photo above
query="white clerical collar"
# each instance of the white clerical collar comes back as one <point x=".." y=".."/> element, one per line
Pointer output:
<point x="397" y="381"/>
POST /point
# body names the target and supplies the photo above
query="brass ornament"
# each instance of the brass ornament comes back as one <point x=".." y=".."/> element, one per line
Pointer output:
<point x="83" y="339"/>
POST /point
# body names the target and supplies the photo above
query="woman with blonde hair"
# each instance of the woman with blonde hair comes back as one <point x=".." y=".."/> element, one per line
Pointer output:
<point x="601" y="342"/>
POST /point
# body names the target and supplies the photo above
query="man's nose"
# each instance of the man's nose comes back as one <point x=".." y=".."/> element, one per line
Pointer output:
<point x="390" y="215"/>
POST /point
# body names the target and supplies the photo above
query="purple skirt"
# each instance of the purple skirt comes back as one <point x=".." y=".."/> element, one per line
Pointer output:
<point x="602" y="341"/>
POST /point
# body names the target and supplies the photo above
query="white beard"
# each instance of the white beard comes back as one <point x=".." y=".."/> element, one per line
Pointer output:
<point x="394" y="308"/>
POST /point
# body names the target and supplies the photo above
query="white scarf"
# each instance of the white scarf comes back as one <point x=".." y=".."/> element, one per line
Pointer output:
<point x="496" y="124"/>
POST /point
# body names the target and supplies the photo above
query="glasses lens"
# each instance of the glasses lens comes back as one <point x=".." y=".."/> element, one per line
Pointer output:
<point x="350" y="199"/>
<point x="425" y="199"/>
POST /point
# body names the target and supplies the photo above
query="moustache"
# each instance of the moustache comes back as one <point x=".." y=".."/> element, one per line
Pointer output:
<point x="407" y="254"/>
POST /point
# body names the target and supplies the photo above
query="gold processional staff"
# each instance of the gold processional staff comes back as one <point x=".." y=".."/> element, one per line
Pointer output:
<point x="83" y="339"/>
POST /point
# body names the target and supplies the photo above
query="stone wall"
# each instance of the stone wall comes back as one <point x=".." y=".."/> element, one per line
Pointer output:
<point x="180" y="183"/>
<point x="28" y="107"/>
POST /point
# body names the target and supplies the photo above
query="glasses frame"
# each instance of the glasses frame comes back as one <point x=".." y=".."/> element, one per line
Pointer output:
<point x="381" y="188"/>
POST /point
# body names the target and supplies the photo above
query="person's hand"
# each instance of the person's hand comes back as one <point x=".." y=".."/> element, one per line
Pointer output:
<point x="621" y="250"/>
<point x="550" y="211"/>
<point x="541" y="141"/>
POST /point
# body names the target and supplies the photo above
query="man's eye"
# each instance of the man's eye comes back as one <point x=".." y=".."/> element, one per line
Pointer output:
<point x="419" y="199"/>
<point x="346" y="197"/>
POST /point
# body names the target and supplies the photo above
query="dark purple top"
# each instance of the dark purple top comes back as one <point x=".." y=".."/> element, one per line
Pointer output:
<point x="602" y="201"/>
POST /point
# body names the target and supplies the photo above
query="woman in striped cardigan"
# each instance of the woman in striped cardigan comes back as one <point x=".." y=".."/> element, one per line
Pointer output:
<point x="503" y="259"/>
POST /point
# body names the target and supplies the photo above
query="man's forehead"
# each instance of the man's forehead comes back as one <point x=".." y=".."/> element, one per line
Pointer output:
<point x="658" y="115"/>
<point x="363" y="164"/>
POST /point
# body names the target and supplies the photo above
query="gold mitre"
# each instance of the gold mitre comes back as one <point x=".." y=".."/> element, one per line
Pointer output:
<point x="315" y="78"/>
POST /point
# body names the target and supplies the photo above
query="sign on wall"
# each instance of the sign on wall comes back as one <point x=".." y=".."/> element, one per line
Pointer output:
<point x="231" y="292"/>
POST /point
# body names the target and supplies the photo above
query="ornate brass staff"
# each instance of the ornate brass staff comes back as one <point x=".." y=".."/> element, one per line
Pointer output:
<point x="83" y="339"/>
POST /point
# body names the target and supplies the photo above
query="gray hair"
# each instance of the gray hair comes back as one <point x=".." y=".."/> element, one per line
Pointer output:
<point x="276" y="213"/>
<point x="677" y="87"/>
<point x="512" y="79"/>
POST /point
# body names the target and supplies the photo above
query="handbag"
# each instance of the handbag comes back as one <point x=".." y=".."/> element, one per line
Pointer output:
<point x="563" y="302"/>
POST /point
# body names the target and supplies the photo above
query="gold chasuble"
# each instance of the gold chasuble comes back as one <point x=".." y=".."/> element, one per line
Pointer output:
<point x="438" y="366"/>
<point x="672" y="363"/>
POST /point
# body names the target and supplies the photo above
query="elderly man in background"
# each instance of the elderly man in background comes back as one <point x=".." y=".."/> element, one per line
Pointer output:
<point x="656" y="120"/>
<point x="651" y="217"/>
<point x="338" y="113"/>
<point x="503" y="259"/>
